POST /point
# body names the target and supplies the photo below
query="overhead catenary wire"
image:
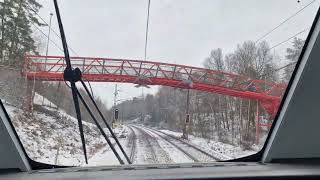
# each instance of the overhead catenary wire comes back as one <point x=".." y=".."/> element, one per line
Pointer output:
<point x="284" y="21"/>
<point x="54" y="43"/>
<point x="278" y="44"/>
<point x="147" y="31"/>
<point x="50" y="29"/>
<point x="278" y="69"/>
<point x="295" y="35"/>
<point x="45" y="22"/>
<point x="286" y="40"/>
<point x="287" y="65"/>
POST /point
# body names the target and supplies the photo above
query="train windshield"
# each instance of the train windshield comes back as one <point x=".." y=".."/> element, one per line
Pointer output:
<point x="146" y="81"/>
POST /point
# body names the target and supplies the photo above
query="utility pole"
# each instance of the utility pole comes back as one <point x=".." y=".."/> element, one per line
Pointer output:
<point x="142" y="110"/>
<point x="47" y="49"/>
<point x="187" y="120"/>
<point x="115" y="96"/>
<point x="115" y="105"/>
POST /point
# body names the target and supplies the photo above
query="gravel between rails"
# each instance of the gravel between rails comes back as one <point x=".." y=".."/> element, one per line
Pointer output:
<point x="200" y="155"/>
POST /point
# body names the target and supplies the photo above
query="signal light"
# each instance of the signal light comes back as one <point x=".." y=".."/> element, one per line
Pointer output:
<point x="187" y="118"/>
<point x="116" y="114"/>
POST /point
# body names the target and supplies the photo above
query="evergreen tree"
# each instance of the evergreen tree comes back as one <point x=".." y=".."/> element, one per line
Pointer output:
<point x="17" y="16"/>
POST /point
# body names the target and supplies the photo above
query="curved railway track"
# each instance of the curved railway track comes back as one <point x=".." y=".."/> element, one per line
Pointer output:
<point x="161" y="155"/>
<point x="178" y="147"/>
<point x="133" y="142"/>
<point x="194" y="153"/>
<point x="146" y="139"/>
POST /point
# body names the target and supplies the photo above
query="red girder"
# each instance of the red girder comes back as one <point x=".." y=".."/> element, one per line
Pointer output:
<point x="51" y="68"/>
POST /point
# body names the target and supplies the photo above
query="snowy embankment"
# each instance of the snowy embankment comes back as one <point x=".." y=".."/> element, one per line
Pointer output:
<point x="52" y="136"/>
<point x="220" y="150"/>
<point x="40" y="100"/>
<point x="105" y="155"/>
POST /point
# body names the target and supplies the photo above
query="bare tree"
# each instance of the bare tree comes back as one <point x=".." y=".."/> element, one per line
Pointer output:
<point x="293" y="55"/>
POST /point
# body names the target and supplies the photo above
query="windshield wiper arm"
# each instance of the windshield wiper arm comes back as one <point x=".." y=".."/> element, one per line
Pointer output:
<point x="74" y="75"/>
<point x="105" y="122"/>
<point x="100" y="128"/>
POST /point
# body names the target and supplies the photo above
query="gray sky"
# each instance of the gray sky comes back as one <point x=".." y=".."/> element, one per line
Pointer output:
<point x="180" y="31"/>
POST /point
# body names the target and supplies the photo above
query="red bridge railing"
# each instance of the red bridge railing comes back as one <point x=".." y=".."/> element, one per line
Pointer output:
<point x="139" y="72"/>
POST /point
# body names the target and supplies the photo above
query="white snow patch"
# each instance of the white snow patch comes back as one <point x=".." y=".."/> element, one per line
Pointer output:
<point x="40" y="100"/>
<point x="220" y="150"/>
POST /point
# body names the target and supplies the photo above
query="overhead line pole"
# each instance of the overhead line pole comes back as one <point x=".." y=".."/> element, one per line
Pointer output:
<point x="147" y="30"/>
<point x="47" y="49"/>
<point x="115" y="105"/>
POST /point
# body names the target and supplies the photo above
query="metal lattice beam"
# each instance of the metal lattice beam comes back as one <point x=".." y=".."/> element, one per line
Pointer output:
<point x="50" y="68"/>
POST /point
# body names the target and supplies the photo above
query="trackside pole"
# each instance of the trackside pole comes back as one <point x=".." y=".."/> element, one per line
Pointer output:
<point x="187" y="120"/>
<point x="258" y="124"/>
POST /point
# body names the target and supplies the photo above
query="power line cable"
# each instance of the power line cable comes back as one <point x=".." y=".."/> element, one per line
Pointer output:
<point x="55" y="44"/>
<point x="295" y="35"/>
<point x="278" y="44"/>
<point x="284" y="41"/>
<point x="50" y="27"/>
<point x="284" y="21"/>
<point x="287" y="65"/>
<point x="278" y="69"/>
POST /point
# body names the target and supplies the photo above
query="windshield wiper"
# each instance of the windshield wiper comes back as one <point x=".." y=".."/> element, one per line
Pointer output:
<point x="74" y="75"/>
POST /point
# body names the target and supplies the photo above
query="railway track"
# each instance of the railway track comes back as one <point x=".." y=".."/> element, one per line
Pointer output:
<point x="178" y="147"/>
<point x="193" y="152"/>
<point x="152" y="157"/>
<point x="133" y="142"/>
<point x="161" y="155"/>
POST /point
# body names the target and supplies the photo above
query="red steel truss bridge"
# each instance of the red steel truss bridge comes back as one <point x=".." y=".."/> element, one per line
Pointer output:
<point x="144" y="73"/>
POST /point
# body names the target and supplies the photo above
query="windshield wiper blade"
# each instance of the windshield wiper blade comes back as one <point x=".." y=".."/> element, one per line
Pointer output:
<point x="100" y="128"/>
<point x="105" y="122"/>
<point x="74" y="75"/>
<point x="71" y="76"/>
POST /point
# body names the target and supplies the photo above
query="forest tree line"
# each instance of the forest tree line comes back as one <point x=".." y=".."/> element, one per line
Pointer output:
<point x="213" y="116"/>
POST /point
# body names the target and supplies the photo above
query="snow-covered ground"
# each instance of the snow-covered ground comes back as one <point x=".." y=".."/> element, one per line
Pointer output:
<point x="175" y="155"/>
<point x="221" y="150"/>
<point x="105" y="155"/>
<point x="51" y="136"/>
<point x="40" y="100"/>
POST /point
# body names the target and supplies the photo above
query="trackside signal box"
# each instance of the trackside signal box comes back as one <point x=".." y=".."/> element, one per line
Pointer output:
<point x="187" y="118"/>
<point x="116" y="114"/>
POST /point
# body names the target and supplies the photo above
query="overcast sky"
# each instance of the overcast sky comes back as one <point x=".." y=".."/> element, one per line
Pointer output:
<point x="180" y="31"/>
